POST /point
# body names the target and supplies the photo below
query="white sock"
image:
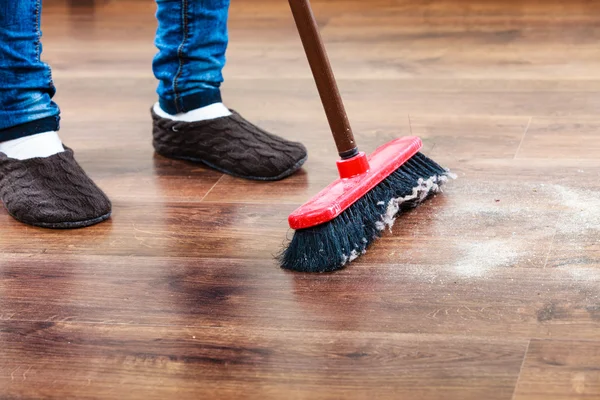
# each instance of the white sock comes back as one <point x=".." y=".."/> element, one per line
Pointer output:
<point x="213" y="111"/>
<point x="40" y="145"/>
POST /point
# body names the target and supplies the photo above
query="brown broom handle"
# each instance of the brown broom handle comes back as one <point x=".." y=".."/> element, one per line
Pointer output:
<point x="324" y="78"/>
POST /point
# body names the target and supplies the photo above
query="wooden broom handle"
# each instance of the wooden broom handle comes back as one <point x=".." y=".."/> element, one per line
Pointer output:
<point x="324" y="78"/>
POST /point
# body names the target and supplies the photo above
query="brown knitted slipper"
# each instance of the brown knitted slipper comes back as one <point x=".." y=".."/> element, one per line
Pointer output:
<point x="229" y="144"/>
<point x="51" y="192"/>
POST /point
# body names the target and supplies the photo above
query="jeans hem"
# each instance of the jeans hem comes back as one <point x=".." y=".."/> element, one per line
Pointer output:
<point x="42" y="125"/>
<point x="191" y="101"/>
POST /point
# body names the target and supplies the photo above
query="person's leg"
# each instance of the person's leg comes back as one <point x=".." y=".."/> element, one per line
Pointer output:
<point x="190" y="120"/>
<point x="28" y="116"/>
<point x="40" y="182"/>
<point x="192" y="40"/>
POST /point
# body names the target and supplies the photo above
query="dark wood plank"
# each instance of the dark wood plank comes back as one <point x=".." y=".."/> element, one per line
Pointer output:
<point x="44" y="359"/>
<point x="155" y="228"/>
<point x="296" y="100"/>
<point x="417" y="298"/>
<point x="399" y="40"/>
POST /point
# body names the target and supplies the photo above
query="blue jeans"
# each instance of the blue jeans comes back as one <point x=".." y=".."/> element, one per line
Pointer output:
<point x="191" y="39"/>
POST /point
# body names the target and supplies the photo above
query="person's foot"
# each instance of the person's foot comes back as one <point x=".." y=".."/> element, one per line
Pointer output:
<point x="228" y="143"/>
<point x="51" y="192"/>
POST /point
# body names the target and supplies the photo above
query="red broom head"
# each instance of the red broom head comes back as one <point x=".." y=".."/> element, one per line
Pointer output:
<point x="358" y="176"/>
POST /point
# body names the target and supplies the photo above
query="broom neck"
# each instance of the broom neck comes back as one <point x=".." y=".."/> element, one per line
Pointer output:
<point x="324" y="78"/>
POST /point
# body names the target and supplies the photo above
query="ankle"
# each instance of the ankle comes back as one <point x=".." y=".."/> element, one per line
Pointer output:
<point x="212" y="111"/>
<point x="43" y="144"/>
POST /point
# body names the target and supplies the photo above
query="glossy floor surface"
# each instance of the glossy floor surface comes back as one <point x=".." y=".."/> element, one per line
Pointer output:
<point x="489" y="291"/>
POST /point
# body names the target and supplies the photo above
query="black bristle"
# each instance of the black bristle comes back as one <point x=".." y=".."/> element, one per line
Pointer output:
<point x="330" y="246"/>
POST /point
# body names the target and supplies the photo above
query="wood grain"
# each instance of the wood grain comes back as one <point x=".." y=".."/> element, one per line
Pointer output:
<point x="489" y="291"/>
<point x="188" y="363"/>
<point x="431" y="295"/>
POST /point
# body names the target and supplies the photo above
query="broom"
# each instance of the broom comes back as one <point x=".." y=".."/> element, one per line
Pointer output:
<point x="339" y="223"/>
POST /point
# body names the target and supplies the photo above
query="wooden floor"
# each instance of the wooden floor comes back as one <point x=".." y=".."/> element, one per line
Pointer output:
<point x="490" y="291"/>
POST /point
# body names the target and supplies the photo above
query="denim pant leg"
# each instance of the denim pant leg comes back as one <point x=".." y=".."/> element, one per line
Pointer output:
<point x="26" y="87"/>
<point x="192" y="39"/>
